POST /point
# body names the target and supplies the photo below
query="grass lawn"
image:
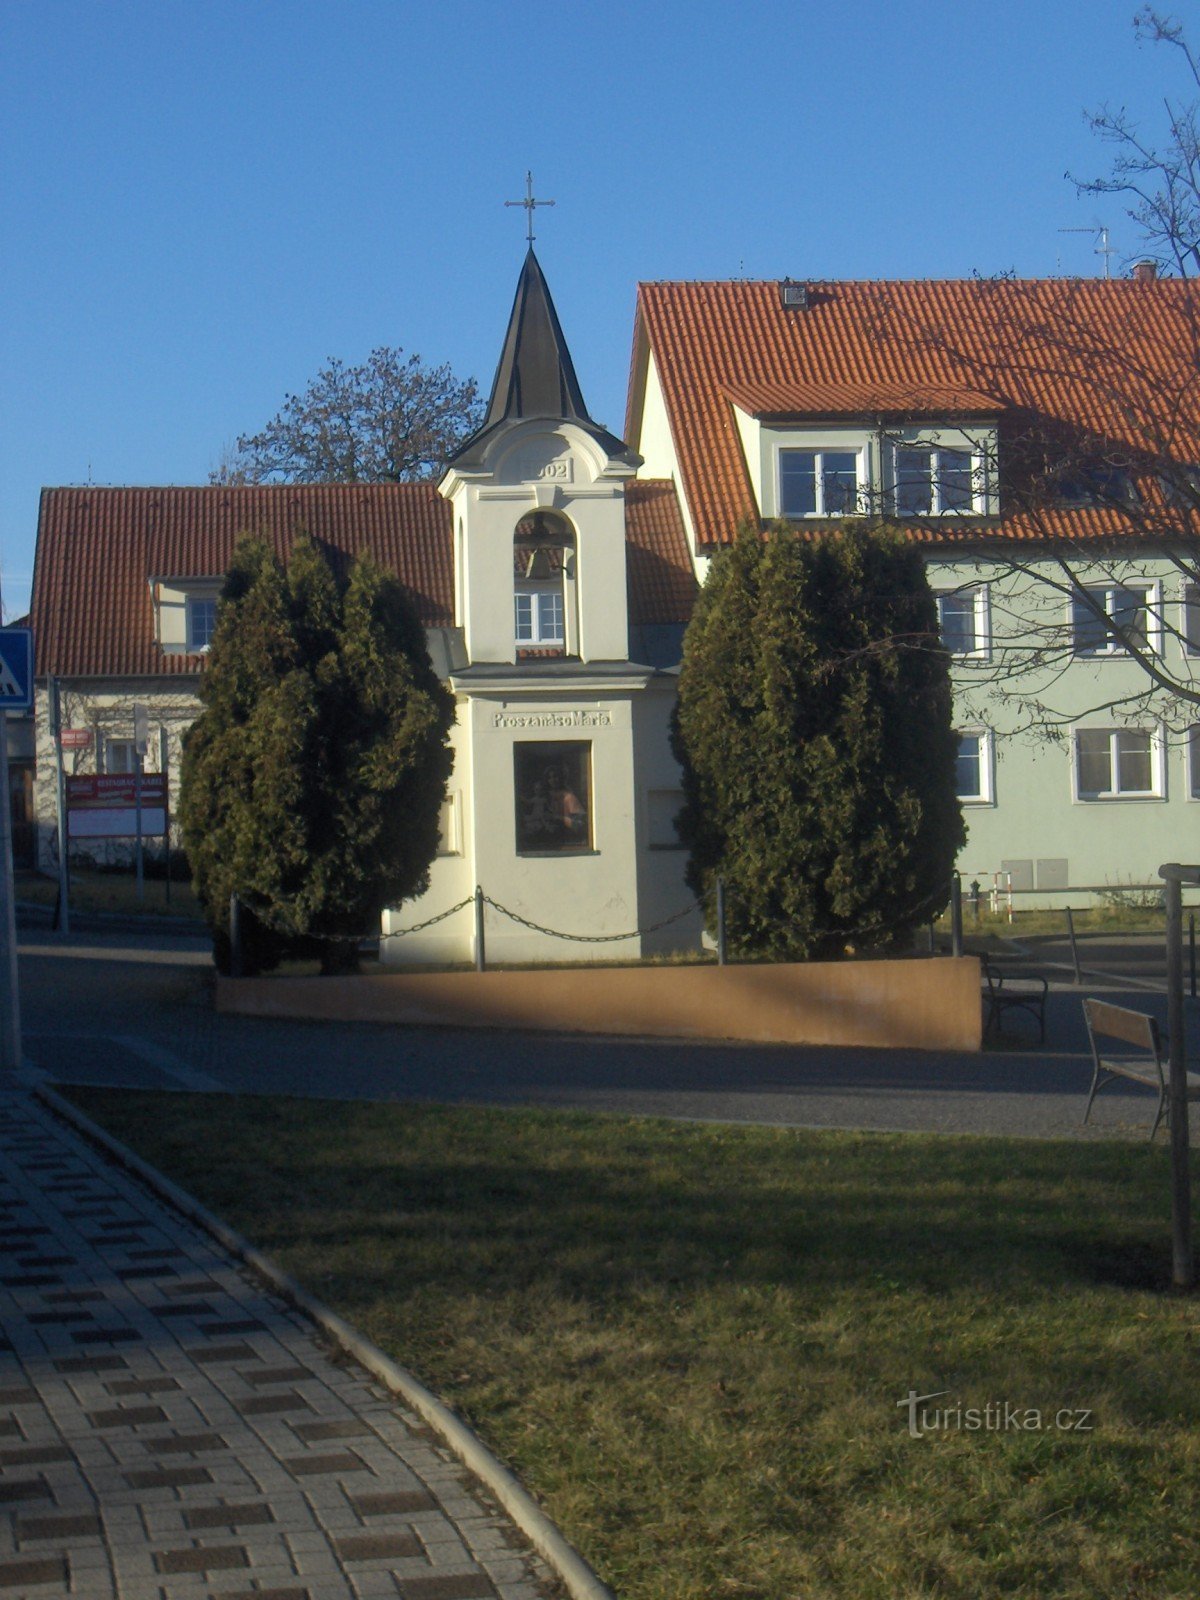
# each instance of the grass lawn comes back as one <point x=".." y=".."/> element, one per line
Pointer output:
<point x="111" y="891"/>
<point x="691" y="1341"/>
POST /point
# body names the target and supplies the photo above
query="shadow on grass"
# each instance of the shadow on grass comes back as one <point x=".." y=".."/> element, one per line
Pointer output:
<point x="596" y="1208"/>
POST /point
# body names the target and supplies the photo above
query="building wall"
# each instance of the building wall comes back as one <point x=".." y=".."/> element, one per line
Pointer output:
<point x="1031" y="693"/>
<point x="104" y="707"/>
<point x="1028" y="693"/>
<point x="661" y="860"/>
<point x="621" y="883"/>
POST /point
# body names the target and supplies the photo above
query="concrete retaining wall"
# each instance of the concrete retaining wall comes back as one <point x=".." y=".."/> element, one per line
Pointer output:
<point x="923" y="1005"/>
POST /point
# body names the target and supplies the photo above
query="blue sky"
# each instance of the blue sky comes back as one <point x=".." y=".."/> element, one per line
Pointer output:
<point x="202" y="201"/>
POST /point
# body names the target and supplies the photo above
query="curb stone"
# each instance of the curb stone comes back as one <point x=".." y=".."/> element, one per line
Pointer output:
<point x="580" y="1580"/>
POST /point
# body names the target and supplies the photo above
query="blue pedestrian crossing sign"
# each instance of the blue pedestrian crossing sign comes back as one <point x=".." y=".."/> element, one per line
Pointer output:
<point x="16" y="669"/>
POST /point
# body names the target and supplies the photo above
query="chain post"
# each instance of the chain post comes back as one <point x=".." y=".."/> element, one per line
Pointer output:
<point x="480" y="950"/>
<point x="235" y="936"/>
<point x="956" y="922"/>
<point x="721" y="947"/>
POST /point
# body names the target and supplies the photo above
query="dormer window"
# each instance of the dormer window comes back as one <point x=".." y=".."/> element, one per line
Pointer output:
<point x="933" y="481"/>
<point x="185" y="613"/>
<point x="1099" y="484"/>
<point x="819" y="483"/>
<point x="543" y="582"/>
<point x="201" y="621"/>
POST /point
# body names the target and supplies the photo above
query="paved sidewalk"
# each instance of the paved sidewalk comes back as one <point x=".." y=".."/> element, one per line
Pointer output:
<point x="169" y="1431"/>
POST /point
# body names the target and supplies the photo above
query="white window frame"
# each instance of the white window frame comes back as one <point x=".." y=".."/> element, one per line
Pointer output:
<point x="1152" y="602"/>
<point x="533" y="590"/>
<point x="193" y="602"/>
<point x="128" y="749"/>
<point x="818" y="452"/>
<point x="977" y="442"/>
<point x="982" y="648"/>
<point x="987" y="768"/>
<point x="934" y="448"/>
<point x="449" y="825"/>
<point x="1158" y="772"/>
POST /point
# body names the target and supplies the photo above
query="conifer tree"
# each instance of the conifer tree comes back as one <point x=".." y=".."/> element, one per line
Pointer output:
<point x="312" y="779"/>
<point x="814" y="731"/>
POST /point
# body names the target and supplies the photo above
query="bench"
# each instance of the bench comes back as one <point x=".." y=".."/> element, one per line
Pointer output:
<point x="1012" y="991"/>
<point x="1135" y="1028"/>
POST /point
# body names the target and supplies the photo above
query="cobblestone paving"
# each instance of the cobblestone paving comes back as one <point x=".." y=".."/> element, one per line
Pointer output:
<point x="168" y="1431"/>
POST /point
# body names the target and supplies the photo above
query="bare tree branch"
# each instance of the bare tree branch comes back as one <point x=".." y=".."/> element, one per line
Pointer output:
<point x="389" y="420"/>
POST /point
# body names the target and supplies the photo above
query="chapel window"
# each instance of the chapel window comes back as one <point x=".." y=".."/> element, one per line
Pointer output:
<point x="543" y="584"/>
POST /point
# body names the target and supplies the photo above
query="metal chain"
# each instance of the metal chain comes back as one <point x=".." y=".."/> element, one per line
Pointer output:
<point x="535" y="927"/>
<point x="418" y="927"/>
<point x="588" y="938"/>
<point x="869" y="929"/>
<point x="351" y="938"/>
<point x="401" y="933"/>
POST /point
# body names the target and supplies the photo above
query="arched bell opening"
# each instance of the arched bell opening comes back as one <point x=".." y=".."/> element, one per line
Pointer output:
<point x="544" y="610"/>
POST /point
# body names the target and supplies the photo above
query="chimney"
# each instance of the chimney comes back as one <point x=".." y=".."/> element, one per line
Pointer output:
<point x="1145" y="271"/>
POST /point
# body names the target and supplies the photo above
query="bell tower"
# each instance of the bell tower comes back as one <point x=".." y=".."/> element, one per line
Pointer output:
<point x="539" y="505"/>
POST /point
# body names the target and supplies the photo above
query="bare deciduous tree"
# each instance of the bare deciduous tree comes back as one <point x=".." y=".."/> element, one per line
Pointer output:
<point x="390" y="420"/>
<point x="1098" y="400"/>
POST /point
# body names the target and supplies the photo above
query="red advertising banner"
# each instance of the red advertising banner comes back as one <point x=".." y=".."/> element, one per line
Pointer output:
<point x="105" y="807"/>
<point x="75" y="738"/>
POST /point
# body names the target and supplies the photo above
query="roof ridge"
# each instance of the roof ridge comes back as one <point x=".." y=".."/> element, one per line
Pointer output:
<point x="830" y="282"/>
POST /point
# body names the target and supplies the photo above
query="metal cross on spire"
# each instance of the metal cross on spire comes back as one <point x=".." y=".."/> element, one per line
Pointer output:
<point x="529" y="204"/>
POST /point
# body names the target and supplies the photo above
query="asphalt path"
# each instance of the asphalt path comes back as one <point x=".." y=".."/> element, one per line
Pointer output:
<point x="124" y="1010"/>
<point x="1137" y="959"/>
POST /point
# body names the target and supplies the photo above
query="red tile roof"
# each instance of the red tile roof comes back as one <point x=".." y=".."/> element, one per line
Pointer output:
<point x="662" y="584"/>
<point x="1116" y="360"/>
<point x="859" y="399"/>
<point x="98" y="549"/>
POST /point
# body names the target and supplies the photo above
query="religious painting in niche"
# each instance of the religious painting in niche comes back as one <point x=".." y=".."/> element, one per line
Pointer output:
<point x="554" y="796"/>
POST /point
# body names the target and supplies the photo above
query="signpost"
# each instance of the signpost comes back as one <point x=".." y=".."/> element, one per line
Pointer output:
<point x="63" y="917"/>
<point x="1183" y="1267"/>
<point x="106" y="806"/>
<point x="141" y="738"/>
<point x="16" y="694"/>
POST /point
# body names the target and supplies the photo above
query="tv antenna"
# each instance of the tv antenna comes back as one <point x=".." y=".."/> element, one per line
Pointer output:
<point x="1097" y="231"/>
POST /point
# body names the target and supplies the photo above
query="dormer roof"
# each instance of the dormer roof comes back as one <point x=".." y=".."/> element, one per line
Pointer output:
<point x="1110" y="362"/>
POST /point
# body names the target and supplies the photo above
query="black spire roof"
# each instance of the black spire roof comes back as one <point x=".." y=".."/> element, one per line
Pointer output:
<point x="535" y="377"/>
